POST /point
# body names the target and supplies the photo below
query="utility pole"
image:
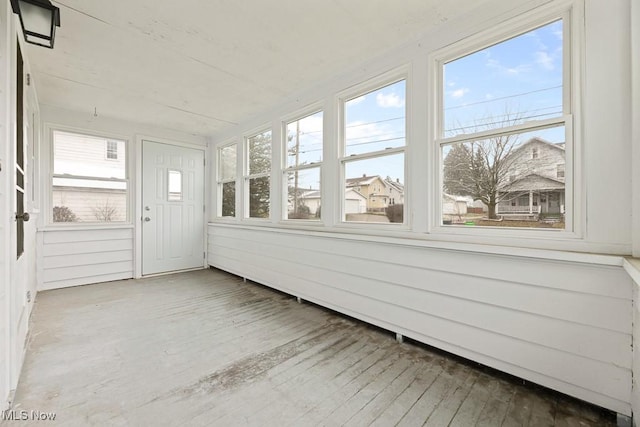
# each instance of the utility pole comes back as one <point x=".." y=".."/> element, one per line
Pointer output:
<point x="295" y="179"/>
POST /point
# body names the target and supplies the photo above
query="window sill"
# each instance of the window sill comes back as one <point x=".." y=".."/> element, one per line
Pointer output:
<point x="553" y="249"/>
<point x="85" y="227"/>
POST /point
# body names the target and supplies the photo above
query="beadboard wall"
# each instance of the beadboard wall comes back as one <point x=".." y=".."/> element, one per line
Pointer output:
<point x="566" y="325"/>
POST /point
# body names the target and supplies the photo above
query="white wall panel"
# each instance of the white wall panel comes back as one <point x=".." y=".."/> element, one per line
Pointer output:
<point x="565" y="325"/>
<point x="79" y="257"/>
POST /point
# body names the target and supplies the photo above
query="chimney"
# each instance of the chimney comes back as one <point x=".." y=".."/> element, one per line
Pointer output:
<point x="364" y="175"/>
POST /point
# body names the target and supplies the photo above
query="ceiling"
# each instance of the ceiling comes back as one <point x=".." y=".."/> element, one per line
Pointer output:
<point x="202" y="67"/>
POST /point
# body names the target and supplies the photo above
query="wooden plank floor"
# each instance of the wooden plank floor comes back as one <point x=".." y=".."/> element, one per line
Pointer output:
<point x="203" y="348"/>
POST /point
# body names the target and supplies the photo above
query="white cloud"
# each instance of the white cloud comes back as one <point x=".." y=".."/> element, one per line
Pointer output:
<point x="511" y="71"/>
<point x="459" y="93"/>
<point x="389" y="101"/>
<point x="544" y="60"/>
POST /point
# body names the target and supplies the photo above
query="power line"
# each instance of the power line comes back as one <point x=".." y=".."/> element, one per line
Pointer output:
<point x="502" y="122"/>
<point x="503" y="97"/>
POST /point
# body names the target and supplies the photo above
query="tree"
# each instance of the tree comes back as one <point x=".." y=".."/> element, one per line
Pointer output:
<point x="229" y="199"/>
<point x="480" y="169"/>
<point x="105" y="212"/>
<point x="63" y="214"/>
<point x="259" y="163"/>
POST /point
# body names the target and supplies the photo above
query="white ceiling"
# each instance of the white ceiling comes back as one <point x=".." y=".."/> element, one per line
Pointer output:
<point x="203" y="66"/>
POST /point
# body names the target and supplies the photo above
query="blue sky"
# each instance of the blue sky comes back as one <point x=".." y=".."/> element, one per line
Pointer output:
<point x="513" y="81"/>
<point x="518" y="78"/>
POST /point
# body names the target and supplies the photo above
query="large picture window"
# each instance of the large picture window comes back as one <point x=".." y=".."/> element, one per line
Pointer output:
<point x="504" y="118"/>
<point x="227" y="180"/>
<point x="257" y="178"/>
<point x="373" y="155"/>
<point x="303" y="156"/>
<point x="87" y="186"/>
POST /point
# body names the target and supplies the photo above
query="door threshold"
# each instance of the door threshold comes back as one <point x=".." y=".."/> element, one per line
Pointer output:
<point x="166" y="273"/>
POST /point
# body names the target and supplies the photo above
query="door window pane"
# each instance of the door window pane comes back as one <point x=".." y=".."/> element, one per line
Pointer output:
<point x="175" y="186"/>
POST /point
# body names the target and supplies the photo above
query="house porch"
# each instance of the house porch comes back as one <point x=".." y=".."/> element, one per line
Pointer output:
<point x="532" y="203"/>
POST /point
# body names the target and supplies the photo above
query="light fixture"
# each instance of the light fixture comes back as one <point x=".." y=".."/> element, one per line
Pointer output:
<point x="39" y="19"/>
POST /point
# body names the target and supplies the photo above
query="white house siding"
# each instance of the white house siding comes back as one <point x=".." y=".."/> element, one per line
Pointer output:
<point x="78" y="257"/>
<point x="87" y="204"/>
<point x="565" y="325"/>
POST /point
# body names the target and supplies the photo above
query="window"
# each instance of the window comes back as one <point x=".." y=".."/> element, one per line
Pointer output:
<point x="112" y="150"/>
<point x="257" y="177"/>
<point x="560" y="171"/>
<point x="227" y="180"/>
<point x="503" y="121"/>
<point x="373" y="153"/>
<point x="303" y="157"/>
<point x="86" y="187"/>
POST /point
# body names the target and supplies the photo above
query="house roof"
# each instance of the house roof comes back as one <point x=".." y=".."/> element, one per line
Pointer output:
<point x="315" y="194"/>
<point x="538" y="140"/>
<point x="395" y="184"/>
<point x="362" y="180"/>
<point x="352" y="192"/>
<point x="455" y="198"/>
<point x="534" y="182"/>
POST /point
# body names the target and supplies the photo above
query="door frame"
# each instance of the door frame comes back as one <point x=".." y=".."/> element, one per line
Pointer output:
<point x="137" y="194"/>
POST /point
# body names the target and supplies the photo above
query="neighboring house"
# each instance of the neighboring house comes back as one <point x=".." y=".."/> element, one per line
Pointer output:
<point x="354" y="202"/>
<point x="535" y="180"/>
<point x="453" y="205"/>
<point x="396" y="191"/>
<point x="374" y="189"/>
<point x="310" y="199"/>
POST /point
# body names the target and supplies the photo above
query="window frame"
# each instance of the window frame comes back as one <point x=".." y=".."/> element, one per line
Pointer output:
<point x="402" y="73"/>
<point x="285" y="169"/>
<point x="247" y="176"/>
<point x="570" y="12"/>
<point x="220" y="181"/>
<point x="50" y="132"/>
<point x="108" y="143"/>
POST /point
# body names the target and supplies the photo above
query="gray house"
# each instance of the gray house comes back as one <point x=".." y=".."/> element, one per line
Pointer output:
<point x="535" y="180"/>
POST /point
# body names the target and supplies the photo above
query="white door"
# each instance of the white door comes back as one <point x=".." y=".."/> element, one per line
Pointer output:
<point x="172" y="208"/>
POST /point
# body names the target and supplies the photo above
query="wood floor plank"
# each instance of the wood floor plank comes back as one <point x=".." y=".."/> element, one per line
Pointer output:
<point x="206" y="348"/>
<point x="416" y="388"/>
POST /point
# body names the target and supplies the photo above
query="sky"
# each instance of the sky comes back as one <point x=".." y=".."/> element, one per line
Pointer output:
<point x="504" y="84"/>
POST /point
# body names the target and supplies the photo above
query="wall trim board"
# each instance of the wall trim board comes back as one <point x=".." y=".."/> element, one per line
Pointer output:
<point x="425" y="242"/>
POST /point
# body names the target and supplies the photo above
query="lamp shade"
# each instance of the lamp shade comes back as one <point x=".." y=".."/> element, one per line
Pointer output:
<point x="39" y="19"/>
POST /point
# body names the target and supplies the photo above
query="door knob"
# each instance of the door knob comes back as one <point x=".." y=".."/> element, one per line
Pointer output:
<point x="147" y="219"/>
<point x="24" y="217"/>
